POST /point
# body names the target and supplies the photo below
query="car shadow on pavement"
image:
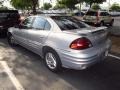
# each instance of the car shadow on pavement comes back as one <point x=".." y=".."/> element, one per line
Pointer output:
<point x="33" y="75"/>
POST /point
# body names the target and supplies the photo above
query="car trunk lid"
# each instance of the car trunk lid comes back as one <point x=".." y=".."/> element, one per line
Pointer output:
<point x="95" y="35"/>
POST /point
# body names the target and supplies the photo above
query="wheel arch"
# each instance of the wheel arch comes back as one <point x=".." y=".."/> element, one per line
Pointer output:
<point x="58" y="60"/>
<point x="9" y="34"/>
<point x="45" y="48"/>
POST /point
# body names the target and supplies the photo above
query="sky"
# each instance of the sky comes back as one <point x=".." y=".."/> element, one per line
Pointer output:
<point x="53" y="2"/>
<point x="106" y="4"/>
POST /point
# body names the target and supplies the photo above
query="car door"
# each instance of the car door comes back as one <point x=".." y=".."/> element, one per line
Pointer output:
<point x="20" y="32"/>
<point x="38" y="34"/>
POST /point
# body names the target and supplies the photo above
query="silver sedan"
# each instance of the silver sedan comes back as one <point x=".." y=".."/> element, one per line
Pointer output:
<point x="62" y="41"/>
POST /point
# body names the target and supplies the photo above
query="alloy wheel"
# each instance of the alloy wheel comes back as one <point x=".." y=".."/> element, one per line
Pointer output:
<point x="50" y="60"/>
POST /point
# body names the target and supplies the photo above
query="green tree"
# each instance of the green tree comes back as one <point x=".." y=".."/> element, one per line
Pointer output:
<point x="21" y="4"/>
<point x="59" y="6"/>
<point x="90" y="2"/>
<point x="68" y="3"/>
<point x="3" y="8"/>
<point x="47" y="6"/>
<point x="96" y="7"/>
<point x="25" y="4"/>
<point x="80" y="3"/>
<point x="34" y="5"/>
<point x="115" y="7"/>
<point x="1" y="3"/>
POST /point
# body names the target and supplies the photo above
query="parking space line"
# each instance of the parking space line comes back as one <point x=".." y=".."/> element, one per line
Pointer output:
<point x="12" y="77"/>
<point x="114" y="56"/>
<point x="1" y="58"/>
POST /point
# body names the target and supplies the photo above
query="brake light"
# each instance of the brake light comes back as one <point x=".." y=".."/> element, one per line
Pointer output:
<point x="80" y="44"/>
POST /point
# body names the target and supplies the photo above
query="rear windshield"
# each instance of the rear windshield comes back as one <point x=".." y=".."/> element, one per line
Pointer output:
<point x="91" y="13"/>
<point x="68" y="23"/>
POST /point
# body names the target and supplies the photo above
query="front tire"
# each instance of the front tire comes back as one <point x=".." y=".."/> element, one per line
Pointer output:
<point x="11" y="40"/>
<point x="52" y="61"/>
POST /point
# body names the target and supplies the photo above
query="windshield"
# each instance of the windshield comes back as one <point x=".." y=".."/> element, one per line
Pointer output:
<point x="68" y="23"/>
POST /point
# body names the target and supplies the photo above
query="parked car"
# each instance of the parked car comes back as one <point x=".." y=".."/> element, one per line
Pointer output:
<point x="98" y="18"/>
<point x="62" y="41"/>
<point x="115" y="13"/>
<point x="8" y="18"/>
<point x="79" y="14"/>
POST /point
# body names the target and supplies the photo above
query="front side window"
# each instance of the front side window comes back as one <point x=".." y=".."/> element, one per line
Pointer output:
<point x="68" y="23"/>
<point x="27" y="22"/>
<point x="39" y="23"/>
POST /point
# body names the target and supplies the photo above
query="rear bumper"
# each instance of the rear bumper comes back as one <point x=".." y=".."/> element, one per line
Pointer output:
<point x="74" y="61"/>
<point x="91" y="23"/>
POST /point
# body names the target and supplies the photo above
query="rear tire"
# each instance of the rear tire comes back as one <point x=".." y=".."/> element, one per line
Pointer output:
<point x="111" y="23"/>
<point x="52" y="61"/>
<point x="101" y="24"/>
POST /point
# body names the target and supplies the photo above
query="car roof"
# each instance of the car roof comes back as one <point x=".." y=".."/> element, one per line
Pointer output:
<point x="50" y="15"/>
<point x="97" y="11"/>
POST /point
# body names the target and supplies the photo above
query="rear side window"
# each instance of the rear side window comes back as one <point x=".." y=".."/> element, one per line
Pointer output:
<point x="47" y="26"/>
<point x="68" y="23"/>
<point x="91" y="13"/>
<point x="104" y="14"/>
<point x="39" y="23"/>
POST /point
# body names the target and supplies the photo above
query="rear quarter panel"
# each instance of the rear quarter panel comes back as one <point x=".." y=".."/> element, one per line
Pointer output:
<point x="59" y="40"/>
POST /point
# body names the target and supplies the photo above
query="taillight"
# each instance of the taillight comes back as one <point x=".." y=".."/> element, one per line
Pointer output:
<point x="80" y="44"/>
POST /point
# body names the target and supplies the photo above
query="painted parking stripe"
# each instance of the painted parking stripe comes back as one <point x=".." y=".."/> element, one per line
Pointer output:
<point x="12" y="77"/>
<point x="1" y="58"/>
<point x="114" y="56"/>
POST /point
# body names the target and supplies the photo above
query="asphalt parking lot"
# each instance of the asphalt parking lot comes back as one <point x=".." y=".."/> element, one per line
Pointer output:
<point x="20" y="69"/>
